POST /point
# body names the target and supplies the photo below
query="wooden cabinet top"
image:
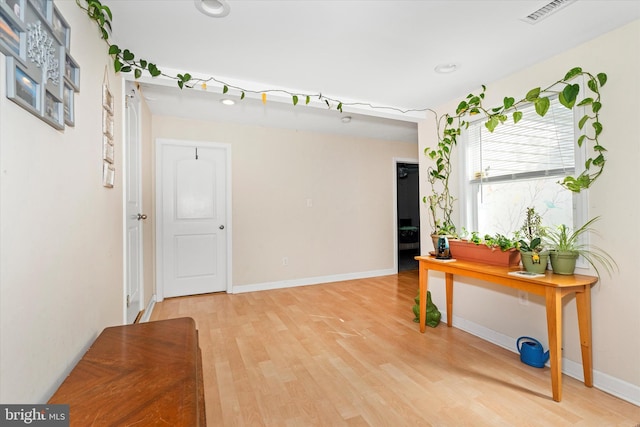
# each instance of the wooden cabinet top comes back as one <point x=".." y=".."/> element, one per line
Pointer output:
<point x="142" y="374"/>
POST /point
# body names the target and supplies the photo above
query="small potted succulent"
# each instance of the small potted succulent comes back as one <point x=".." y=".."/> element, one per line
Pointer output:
<point x="565" y="248"/>
<point x="533" y="253"/>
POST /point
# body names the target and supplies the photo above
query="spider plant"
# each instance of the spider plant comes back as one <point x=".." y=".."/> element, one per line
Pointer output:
<point x="564" y="242"/>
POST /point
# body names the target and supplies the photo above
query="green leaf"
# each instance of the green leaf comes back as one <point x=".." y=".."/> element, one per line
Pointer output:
<point x="117" y="65"/>
<point x="568" y="95"/>
<point x="533" y="94"/>
<point x="596" y="106"/>
<point x="114" y="49"/>
<point x="582" y="121"/>
<point x="295" y="99"/>
<point x="143" y="64"/>
<point x="508" y="102"/>
<point x="242" y="95"/>
<point x="449" y="120"/>
<point x="186" y="77"/>
<point x="572" y="73"/>
<point x="517" y="115"/>
<point x="492" y="123"/>
<point x="339" y="107"/>
<point x="461" y="107"/>
<point x="225" y="89"/>
<point x="581" y="140"/>
<point x="125" y="69"/>
<point x="599" y="161"/>
<point x="105" y="35"/>
<point x="598" y="128"/>
<point x="474" y="101"/>
<point x="585" y="101"/>
<point x="180" y="84"/>
<point x="602" y="78"/>
<point x="137" y="73"/>
<point x="593" y="85"/>
<point x="542" y="106"/>
<point x="127" y="55"/>
<point x="307" y="100"/>
<point x="599" y="148"/>
<point x="587" y="164"/>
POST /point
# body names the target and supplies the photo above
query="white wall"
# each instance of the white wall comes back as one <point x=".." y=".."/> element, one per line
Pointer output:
<point x="60" y="230"/>
<point x="494" y="312"/>
<point x="349" y="181"/>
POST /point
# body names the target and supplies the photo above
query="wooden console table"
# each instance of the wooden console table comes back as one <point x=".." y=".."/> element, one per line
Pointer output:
<point x="144" y="374"/>
<point x="553" y="287"/>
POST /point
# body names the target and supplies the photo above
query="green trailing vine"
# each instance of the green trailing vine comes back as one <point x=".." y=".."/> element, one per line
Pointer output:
<point x="450" y="126"/>
<point x="125" y="61"/>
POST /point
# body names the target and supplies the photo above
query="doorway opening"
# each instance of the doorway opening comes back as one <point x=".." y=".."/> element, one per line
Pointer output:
<point x="408" y="208"/>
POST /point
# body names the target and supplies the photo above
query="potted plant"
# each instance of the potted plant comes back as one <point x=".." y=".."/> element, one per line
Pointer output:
<point x="566" y="247"/>
<point x="492" y="250"/>
<point x="533" y="254"/>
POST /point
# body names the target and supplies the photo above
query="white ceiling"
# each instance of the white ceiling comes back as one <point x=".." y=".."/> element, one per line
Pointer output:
<point x="370" y="51"/>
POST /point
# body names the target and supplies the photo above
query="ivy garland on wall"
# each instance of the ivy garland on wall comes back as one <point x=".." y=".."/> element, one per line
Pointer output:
<point x="449" y="125"/>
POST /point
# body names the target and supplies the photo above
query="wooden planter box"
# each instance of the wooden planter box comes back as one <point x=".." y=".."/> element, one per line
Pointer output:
<point x="469" y="251"/>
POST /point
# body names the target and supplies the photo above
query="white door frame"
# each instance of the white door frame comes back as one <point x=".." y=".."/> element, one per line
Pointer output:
<point x="160" y="142"/>
<point x="397" y="160"/>
<point x="130" y="93"/>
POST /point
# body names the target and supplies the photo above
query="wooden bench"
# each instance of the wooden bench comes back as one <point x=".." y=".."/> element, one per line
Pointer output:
<point x="143" y="374"/>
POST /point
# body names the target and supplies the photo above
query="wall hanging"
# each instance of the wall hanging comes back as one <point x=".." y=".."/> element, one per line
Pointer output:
<point x="36" y="40"/>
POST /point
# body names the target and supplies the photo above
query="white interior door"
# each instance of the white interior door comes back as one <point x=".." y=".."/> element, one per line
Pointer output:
<point x="133" y="206"/>
<point x="193" y="208"/>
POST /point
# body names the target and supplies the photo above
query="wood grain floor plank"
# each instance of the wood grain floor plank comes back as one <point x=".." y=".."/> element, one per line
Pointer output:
<point x="349" y="354"/>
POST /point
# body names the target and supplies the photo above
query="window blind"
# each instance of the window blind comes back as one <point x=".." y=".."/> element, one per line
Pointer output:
<point x="534" y="147"/>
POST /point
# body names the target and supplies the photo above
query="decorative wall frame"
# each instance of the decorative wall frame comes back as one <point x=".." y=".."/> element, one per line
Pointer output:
<point x="71" y="72"/>
<point x="68" y="101"/>
<point x="12" y="28"/>
<point x="36" y="38"/>
<point x="59" y="27"/>
<point x="108" y="149"/>
<point x="22" y="88"/>
<point x="108" y="174"/>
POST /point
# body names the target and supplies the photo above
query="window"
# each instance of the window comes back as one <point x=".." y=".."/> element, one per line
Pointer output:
<point x="519" y="166"/>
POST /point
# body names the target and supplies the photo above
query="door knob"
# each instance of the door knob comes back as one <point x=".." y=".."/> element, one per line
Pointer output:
<point x="221" y="227"/>
<point x="142" y="216"/>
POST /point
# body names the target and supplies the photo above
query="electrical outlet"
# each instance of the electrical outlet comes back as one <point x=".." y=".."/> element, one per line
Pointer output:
<point x="285" y="261"/>
<point x="523" y="297"/>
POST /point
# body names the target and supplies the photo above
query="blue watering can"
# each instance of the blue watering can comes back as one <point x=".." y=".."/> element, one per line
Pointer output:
<point x="531" y="352"/>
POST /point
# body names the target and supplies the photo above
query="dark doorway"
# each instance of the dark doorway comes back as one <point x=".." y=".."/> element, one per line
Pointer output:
<point x="408" y="195"/>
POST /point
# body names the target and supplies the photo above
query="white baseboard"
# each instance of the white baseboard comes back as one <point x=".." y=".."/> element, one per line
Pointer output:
<point x="147" y="312"/>
<point x="310" y="281"/>
<point x="607" y="383"/>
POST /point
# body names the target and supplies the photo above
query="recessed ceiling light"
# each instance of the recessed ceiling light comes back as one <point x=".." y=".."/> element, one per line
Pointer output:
<point x="346" y="119"/>
<point x="215" y="8"/>
<point x="228" y="101"/>
<point x="446" y="68"/>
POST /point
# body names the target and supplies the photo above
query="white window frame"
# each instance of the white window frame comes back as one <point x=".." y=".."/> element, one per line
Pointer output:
<point x="580" y="201"/>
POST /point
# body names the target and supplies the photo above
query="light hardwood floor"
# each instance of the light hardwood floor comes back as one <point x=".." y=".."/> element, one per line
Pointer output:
<point x="349" y="354"/>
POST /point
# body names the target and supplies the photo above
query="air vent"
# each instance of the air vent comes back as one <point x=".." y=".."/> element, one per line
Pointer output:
<point x="546" y="11"/>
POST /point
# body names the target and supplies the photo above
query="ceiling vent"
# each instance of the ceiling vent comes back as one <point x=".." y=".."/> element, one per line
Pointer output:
<point x="546" y="11"/>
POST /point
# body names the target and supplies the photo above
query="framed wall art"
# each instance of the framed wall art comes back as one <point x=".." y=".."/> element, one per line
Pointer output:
<point x="42" y="76"/>
<point x="68" y="103"/>
<point x="71" y="72"/>
<point x="12" y="31"/>
<point x="41" y="7"/>
<point x="59" y="27"/>
<point x="108" y="174"/>
<point x="16" y="6"/>
<point x="22" y="88"/>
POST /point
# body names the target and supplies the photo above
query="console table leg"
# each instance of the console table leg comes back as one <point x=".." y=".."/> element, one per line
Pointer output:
<point x="583" y="304"/>
<point x="424" y="285"/>
<point x="449" y="286"/>
<point x="553" y="299"/>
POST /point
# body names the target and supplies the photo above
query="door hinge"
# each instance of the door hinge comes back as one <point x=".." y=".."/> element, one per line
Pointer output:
<point x="128" y="301"/>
